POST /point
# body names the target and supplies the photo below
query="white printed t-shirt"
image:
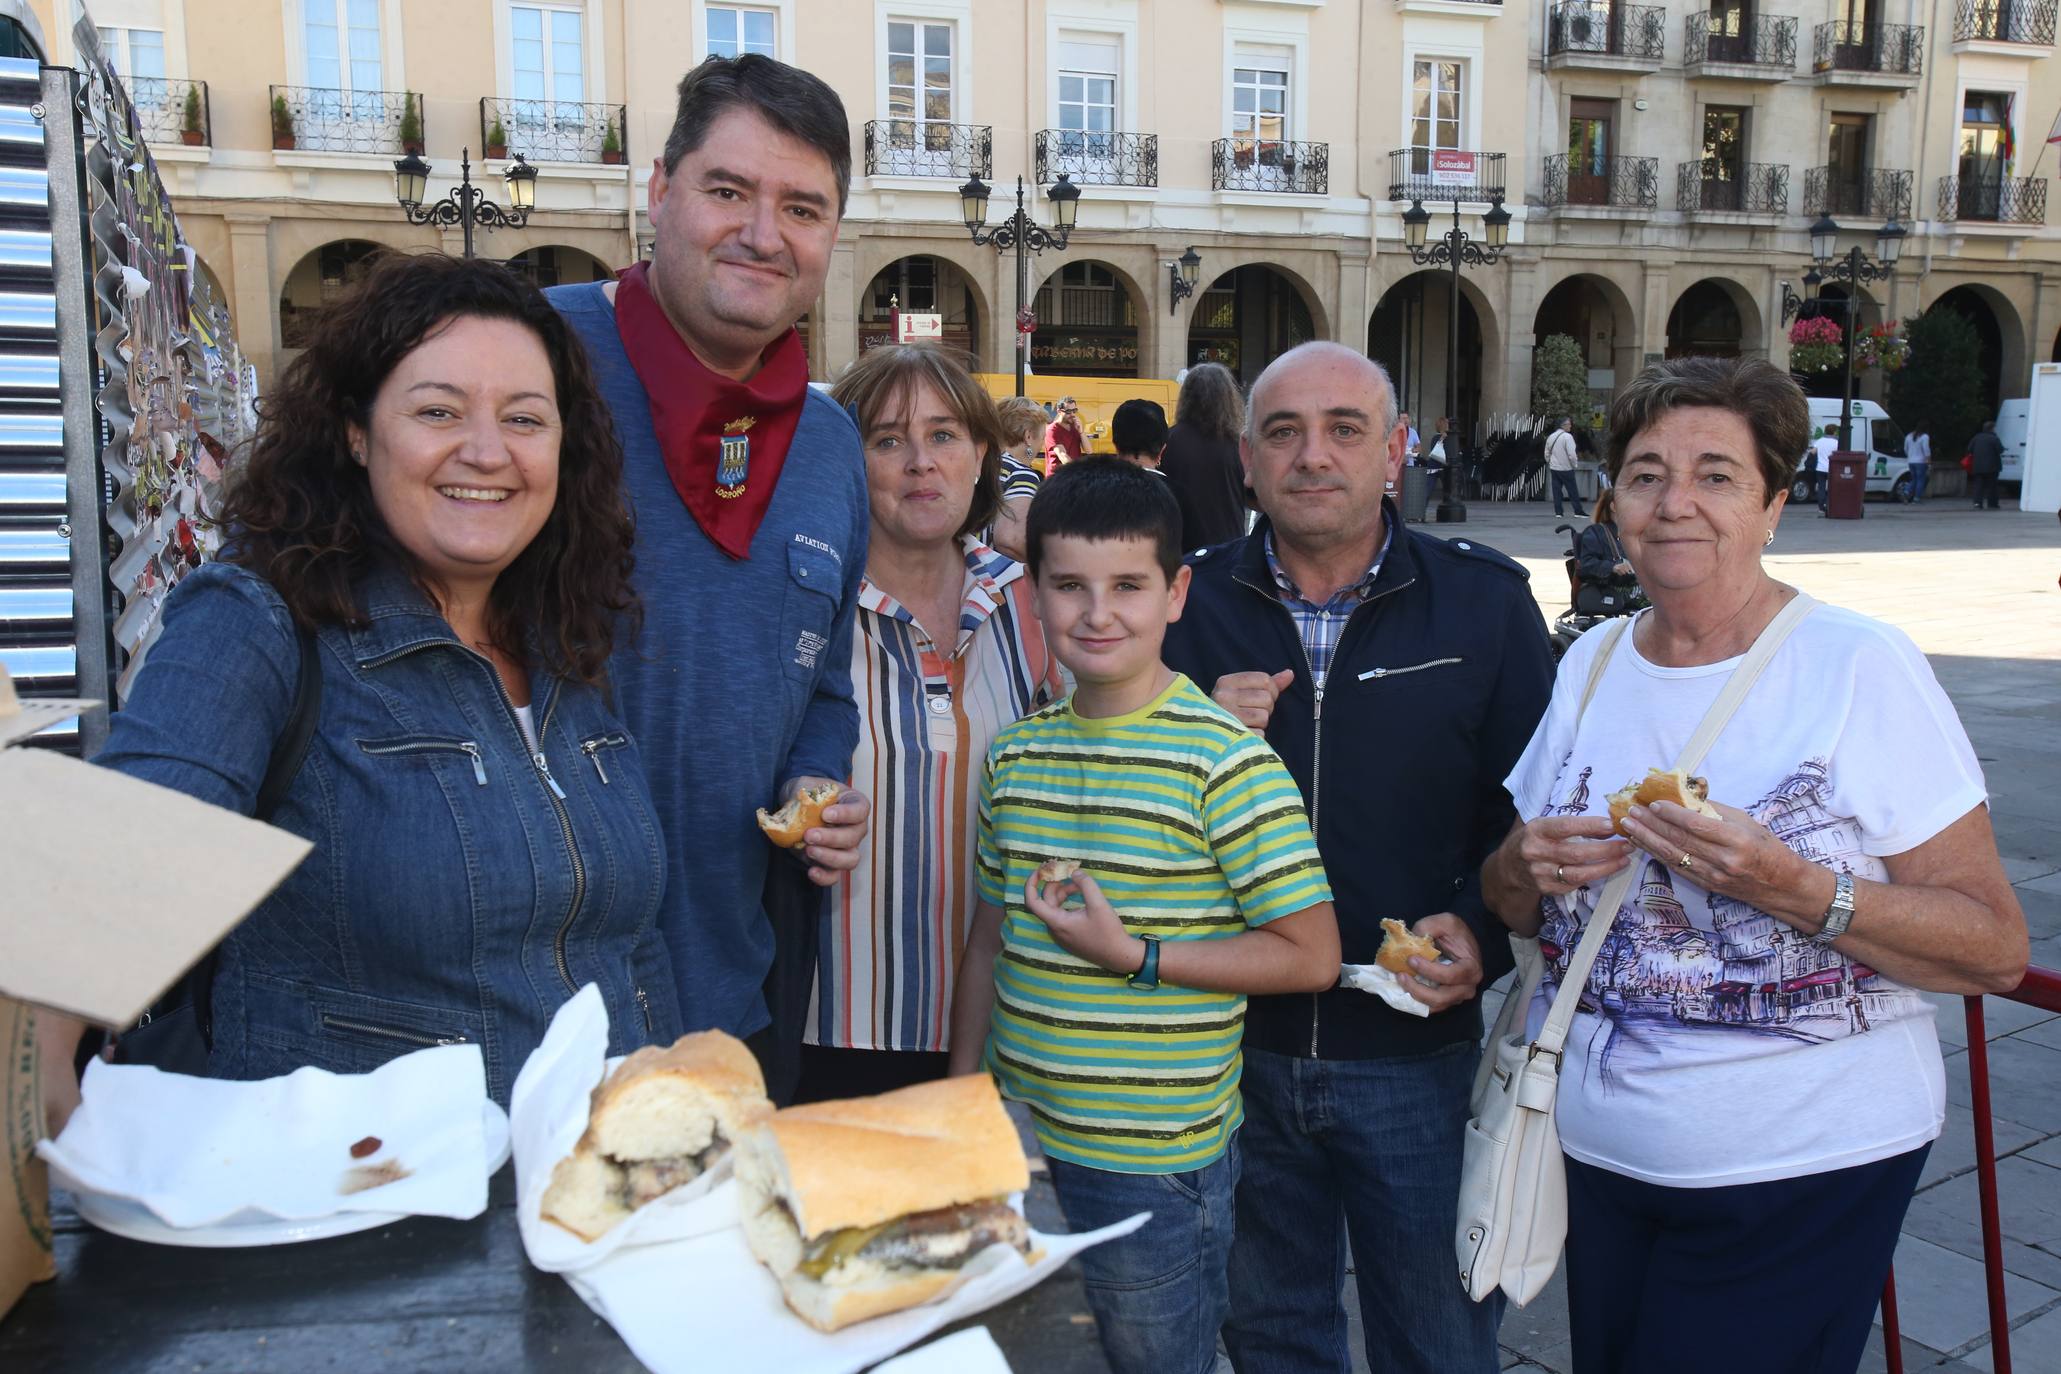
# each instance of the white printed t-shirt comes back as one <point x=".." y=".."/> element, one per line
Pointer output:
<point x="1717" y="1045"/>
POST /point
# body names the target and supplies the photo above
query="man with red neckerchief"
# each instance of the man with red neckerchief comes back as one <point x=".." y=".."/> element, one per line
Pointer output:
<point x="749" y="491"/>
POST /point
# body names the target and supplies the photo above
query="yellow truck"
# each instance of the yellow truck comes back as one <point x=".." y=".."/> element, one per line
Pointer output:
<point x="1098" y="397"/>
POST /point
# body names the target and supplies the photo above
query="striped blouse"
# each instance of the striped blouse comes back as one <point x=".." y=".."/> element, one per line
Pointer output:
<point x="898" y="922"/>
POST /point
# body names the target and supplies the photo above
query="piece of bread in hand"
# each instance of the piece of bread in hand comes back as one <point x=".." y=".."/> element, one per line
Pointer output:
<point x="1660" y="785"/>
<point x="1399" y="943"/>
<point x="1057" y="870"/>
<point x="660" y="1121"/>
<point x="804" y="811"/>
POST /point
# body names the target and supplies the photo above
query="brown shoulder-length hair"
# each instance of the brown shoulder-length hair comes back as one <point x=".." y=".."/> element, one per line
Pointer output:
<point x="1758" y="392"/>
<point x="1211" y="403"/>
<point x="877" y="390"/>
<point x="300" y="512"/>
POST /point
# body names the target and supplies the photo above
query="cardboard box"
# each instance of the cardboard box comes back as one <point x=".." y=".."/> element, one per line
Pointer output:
<point x="110" y="889"/>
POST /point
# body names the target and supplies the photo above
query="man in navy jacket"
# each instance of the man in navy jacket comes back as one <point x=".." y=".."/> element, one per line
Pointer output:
<point x="1399" y="676"/>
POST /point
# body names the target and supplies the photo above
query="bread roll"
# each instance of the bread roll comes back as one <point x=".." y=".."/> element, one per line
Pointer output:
<point x="804" y="811"/>
<point x="1660" y="785"/>
<point x="1399" y="943"/>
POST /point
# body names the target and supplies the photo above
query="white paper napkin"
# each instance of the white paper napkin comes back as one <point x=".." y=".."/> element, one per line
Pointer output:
<point x="198" y="1150"/>
<point x="696" y="1305"/>
<point x="972" y="1351"/>
<point x="1383" y="984"/>
<point x="548" y="1113"/>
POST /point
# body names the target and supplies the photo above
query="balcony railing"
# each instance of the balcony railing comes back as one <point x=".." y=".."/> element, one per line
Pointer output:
<point x="925" y="148"/>
<point x="1414" y="174"/>
<point x="1763" y="40"/>
<point x="1638" y="31"/>
<point x="1994" y="200"/>
<point x="161" y="107"/>
<point x="551" y="130"/>
<point x="1266" y="164"/>
<point x="2004" y="21"/>
<point x="1887" y="49"/>
<point x="326" y="120"/>
<point x="1094" y="158"/>
<point x="1867" y="193"/>
<point x="1755" y="188"/>
<point x="1628" y="183"/>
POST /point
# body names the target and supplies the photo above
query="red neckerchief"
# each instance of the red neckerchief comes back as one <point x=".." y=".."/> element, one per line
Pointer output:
<point x="724" y="442"/>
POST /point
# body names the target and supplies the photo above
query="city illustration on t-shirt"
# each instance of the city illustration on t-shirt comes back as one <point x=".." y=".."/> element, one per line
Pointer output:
<point x="1681" y="961"/>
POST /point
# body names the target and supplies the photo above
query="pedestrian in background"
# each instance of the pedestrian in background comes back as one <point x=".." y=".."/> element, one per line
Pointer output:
<point x="1918" y="453"/>
<point x="1138" y="431"/>
<point x="1560" y="460"/>
<point x="1822" y="449"/>
<point x="1023" y="427"/>
<point x="1201" y="458"/>
<point x="1064" y="441"/>
<point x="1986" y="463"/>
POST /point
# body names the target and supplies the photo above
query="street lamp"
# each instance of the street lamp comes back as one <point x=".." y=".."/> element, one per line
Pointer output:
<point x="467" y="205"/>
<point x="1182" y="276"/>
<point x="1855" y="269"/>
<point x="1454" y="248"/>
<point x="1026" y="236"/>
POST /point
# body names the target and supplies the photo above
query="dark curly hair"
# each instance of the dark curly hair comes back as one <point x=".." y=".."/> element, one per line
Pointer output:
<point x="300" y="512"/>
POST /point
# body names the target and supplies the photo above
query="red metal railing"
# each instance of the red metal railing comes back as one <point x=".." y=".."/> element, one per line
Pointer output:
<point x="2041" y="988"/>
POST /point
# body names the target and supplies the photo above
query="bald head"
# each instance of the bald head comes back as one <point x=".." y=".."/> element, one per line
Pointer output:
<point x="1344" y="365"/>
<point x="1320" y="448"/>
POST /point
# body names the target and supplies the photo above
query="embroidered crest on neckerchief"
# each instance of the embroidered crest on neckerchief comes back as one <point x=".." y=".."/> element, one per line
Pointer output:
<point x="734" y="467"/>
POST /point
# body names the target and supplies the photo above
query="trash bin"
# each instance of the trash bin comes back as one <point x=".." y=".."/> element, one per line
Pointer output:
<point x="1417" y="486"/>
<point x="1849" y="486"/>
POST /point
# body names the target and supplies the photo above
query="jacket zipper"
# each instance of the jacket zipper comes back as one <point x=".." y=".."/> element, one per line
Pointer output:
<point x="412" y="1037"/>
<point x="644" y="1005"/>
<point x="466" y="747"/>
<point x="1317" y="734"/>
<point x="592" y="749"/>
<point x="1373" y="673"/>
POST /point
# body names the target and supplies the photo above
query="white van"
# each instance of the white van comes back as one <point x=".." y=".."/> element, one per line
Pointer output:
<point x="1872" y="432"/>
<point x="2013" y="418"/>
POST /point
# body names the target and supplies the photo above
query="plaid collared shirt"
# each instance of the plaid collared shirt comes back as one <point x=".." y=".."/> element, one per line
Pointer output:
<point x="1321" y="626"/>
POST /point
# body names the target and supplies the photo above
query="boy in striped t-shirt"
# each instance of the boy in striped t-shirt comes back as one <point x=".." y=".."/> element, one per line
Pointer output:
<point x="1112" y="1003"/>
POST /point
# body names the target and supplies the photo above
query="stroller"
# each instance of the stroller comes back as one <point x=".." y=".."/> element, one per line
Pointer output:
<point x="1588" y="605"/>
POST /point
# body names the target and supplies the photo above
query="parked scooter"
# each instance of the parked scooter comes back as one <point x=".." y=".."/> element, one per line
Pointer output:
<point x="1588" y="606"/>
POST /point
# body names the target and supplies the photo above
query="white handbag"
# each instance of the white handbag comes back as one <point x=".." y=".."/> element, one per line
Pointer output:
<point x="1513" y="1179"/>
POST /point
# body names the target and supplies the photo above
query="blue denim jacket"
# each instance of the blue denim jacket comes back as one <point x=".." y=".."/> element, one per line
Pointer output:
<point x="460" y="889"/>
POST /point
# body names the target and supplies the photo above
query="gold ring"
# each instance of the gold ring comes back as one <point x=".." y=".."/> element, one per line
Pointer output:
<point x="1559" y="873"/>
<point x="1685" y="863"/>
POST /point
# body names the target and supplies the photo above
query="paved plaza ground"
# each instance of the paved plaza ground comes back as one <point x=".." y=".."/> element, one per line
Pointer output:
<point x="1977" y="591"/>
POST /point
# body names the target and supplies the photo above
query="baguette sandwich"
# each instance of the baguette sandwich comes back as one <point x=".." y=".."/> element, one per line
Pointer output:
<point x="664" y="1118"/>
<point x="804" y="811"/>
<point x="876" y="1204"/>
<point x="1660" y="785"/>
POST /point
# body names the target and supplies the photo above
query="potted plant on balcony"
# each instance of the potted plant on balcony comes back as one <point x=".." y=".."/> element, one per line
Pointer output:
<point x="282" y="123"/>
<point x="411" y="125"/>
<point x="497" y="140"/>
<point x="611" y="145"/>
<point x="189" y="124"/>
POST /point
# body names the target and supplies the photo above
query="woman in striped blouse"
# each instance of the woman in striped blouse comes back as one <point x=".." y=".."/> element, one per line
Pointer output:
<point x="947" y="652"/>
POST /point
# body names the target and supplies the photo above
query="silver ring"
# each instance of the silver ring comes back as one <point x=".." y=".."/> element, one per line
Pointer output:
<point x="1559" y="873"/>
<point x="1685" y="863"/>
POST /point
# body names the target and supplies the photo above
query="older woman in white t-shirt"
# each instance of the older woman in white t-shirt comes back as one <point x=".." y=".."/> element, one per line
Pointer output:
<point x="1753" y="1080"/>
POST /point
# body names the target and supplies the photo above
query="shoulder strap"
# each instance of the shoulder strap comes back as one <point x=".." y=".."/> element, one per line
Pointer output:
<point x="292" y="745"/>
<point x="1610" y="639"/>
<point x="1554" y="1033"/>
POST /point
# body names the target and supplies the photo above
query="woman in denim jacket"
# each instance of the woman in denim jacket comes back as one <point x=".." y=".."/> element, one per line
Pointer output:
<point x="434" y="492"/>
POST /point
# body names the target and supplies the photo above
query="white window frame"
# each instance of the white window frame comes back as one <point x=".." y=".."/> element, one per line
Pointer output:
<point x="740" y="11"/>
<point x="1247" y="45"/>
<point x="783" y="25"/>
<point x="1472" y="69"/>
<point x="960" y="16"/>
<point x="920" y="30"/>
<point x="340" y="9"/>
<point x="593" y="45"/>
<point x="1094" y="21"/>
<point x="393" y="68"/>
<point x="122" y="58"/>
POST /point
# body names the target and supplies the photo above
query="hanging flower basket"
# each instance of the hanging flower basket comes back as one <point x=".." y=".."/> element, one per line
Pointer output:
<point x="1815" y="346"/>
<point x="1883" y="346"/>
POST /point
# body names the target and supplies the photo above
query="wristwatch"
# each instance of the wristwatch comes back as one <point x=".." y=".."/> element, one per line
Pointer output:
<point x="1147" y="976"/>
<point x="1839" y="915"/>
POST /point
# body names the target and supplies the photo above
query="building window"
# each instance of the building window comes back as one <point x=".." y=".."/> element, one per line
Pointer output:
<point x="734" y="31"/>
<point x="1084" y="294"/>
<point x="342" y="39"/>
<point x="138" y="56"/>
<point x="1434" y="110"/>
<point x="1259" y="112"/>
<point x="1087" y="96"/>
<point x="1846" y="166"/>
<point x="909" y="285"/>
<point x="548" y="66"/>
<point x="1724" y="158"/>
<point x="920" y="61"/>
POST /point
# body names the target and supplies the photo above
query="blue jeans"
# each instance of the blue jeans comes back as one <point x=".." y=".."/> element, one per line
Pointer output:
<point x="1918" y="482"/>
<point x="1564" y="486"/>
<point x="1158" y="1294"/>
<point x="1368" y="1148"/>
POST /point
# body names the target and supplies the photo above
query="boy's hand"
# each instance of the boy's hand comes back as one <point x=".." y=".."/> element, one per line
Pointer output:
<point x="1251" y="696"/>
<point x="1091" y="931"/>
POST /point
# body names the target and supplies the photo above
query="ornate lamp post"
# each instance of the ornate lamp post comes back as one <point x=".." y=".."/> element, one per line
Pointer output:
<point x="467" y="205"/>
<point x="1856" y="268"/>
<point x="1181" y="279"/>
<point x="1454" y="248"/>
<point x="1026" y="236"/>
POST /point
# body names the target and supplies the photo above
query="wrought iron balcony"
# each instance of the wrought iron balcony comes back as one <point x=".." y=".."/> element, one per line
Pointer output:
<point x="1267" y="164"/>
<point x="1994" y="200"/>
<point x="1866" y="193"/>
<point x="551" y="130"/>
<point x="1725" y="39"/>
<point x="1094" y="158"/>
<point x="1638" y="32"/>
<point x="1413" y="174"/>
<point x="161" y="108"/>
<point x="1625" y="183"/>
<point x="1753" y="188"/>
<point x="925" y="148"/>
<point x="2004" y="21"/>
<point x="327" y="120"/>
<point x="1878" y="49"/>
